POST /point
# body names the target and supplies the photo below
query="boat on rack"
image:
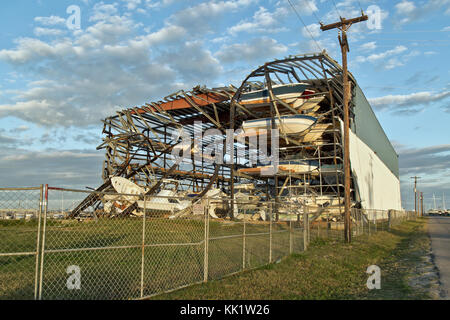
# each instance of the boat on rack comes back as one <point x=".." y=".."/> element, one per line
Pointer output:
<point x="295" y="94"/>
<point x="288" y="166"/>
<point x="298" y="166"/>
<point x="292" y="124"/>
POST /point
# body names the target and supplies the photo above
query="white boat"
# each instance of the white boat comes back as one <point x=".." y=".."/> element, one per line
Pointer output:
<point x="294" y="94"/>
<point x="125" y="186"/>
<point x="298" y="166"/>
<point x="165" y="201"/>
<point x="289" y="124"/>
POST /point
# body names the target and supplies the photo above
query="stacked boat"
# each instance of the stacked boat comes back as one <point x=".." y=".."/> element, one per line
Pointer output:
<point x="297" y="96"/>
<point x="289" y="166"/>
<point x="294" y="94"/>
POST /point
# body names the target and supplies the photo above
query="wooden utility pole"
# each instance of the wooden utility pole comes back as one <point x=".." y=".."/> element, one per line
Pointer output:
<point x="343" y="26"/>
<point x="415" y="193"/>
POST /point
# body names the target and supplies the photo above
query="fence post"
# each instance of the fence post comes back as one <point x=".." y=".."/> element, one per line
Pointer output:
<point x="318" y="229"/>
<point x="36" y="275"/>
<point x="358" y="222"/>
<point x="206" y="240"/>
<point x="375" y="222"/>
<point x="361" y="222"/>
<point x="270" y="232"/>
<point x="41" y="275"/>
<point x="243" y="245"/>
<point x="305" y="228"/>
<point x="309" y="227"/>
<point x="389" y="220"/>
<point x="354" y="227"/>
<point x="143" y="246"/>
<point x="290" y="237"/>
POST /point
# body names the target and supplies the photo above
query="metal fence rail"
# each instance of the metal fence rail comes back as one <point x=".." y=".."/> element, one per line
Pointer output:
<point x="105" y="252"/>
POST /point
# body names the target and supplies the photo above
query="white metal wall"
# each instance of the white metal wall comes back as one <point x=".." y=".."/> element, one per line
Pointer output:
<point x="378" y="187"/>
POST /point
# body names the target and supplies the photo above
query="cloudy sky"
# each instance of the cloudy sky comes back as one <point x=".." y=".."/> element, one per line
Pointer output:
<point x="58" y="82"/>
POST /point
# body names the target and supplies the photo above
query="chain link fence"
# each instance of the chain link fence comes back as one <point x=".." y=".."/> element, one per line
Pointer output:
<point x="20" y="228"/>
<point x="73" y="244"/>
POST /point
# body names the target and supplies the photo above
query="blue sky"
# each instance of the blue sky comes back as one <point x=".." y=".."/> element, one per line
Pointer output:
<point x="57" y="84"/>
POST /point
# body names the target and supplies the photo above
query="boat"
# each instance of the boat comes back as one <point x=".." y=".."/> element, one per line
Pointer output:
<point x="287" y="166"/>
<point x="311" y="105"/>
<point x="298" y="166"/>
<point x="166" y="201"/>
<point x="294" y="94"/>
<point x="291" y="124"/>
<point x="434" y="211"/>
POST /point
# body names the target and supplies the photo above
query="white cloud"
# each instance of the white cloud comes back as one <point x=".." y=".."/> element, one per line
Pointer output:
<point x="383" y="55"/>
<point x="265" y="21"/>
<point x="311" y="30"/>
<point x="193" y="61"/>
<point x="132" y="4"/>
<point x="201" y="18"/>
<point x="262" y="21"/>
<point x="78" y="80"/>
<point x="393" y="63"/>
<point x="409" y="100"/>
<point x="50" y="21"/>
<point x="255" y="49"/>
<point x="408" y="12"/>
<point x="368" y="46"/>
<point x="103" y="11"/>
<point x="70" y="168"/>
<point x="305" y="7"/>
<point x="405" y="7"/>
<point x="38" y="31"/>
<point x="150" y="4"/>
<point x="351" y="8"/>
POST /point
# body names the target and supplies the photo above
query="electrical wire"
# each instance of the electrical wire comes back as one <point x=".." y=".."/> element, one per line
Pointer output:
<point x="360" y="7"/>
<point x="312" y="10"/>
<point x="307" y="29"/>
<point x="337" y="10"/>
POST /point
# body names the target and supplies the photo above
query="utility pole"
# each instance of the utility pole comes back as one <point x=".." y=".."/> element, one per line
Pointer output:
<point x="421" y="204"/>
<point x="415" y="193"/>
<point x="343" y="26"/>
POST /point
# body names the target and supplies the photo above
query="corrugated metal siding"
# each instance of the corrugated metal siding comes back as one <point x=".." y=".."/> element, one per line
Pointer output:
<point x="369" y="130"/>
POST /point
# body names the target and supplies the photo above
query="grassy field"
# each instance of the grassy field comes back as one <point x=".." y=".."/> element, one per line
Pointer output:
<point x="329" y="270"/>
<point x="110" y="256"/>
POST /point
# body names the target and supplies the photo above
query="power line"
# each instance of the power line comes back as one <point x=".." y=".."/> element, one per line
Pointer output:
<point x="360" y="7"/>
<point x="312" y="10"/>
<point x="307" y="29"/>
<point x="337" y="10"/>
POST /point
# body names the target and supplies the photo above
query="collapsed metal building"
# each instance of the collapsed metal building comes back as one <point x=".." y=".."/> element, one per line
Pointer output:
<point x="140" y="143"/>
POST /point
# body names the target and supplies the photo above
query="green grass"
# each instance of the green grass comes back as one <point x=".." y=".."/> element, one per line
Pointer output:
<point x="115" y="273"/>
<point x="329" y="270"/>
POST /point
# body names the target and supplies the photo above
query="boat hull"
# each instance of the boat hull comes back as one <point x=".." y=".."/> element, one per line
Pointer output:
<point x="289" y="124"/>
<point x="294" y="94"/>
